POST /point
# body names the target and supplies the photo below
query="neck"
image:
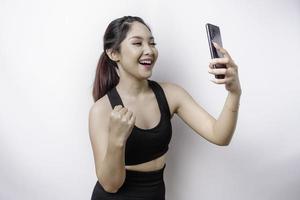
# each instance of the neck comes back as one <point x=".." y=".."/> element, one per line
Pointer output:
<point x="132" y="87"/>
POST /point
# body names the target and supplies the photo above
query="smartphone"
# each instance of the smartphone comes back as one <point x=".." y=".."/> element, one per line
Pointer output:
<point x="214" y="35"/>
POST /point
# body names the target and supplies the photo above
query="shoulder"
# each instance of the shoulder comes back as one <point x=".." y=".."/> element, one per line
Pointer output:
<point x="98" y="129"/>
<point x="174" y="93"/>
<point x="99" y="110"/>
<point x="100" y="105"/>
<point x="171" y="88"/>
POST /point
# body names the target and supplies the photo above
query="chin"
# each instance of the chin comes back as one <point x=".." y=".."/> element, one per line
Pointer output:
<point x="144" y="76"/>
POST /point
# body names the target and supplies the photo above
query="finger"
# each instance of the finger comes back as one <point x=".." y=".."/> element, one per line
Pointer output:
<point x="115" y="111"/>
<point x="217" y="66"/>
<point x="123" y="111"/>
<point x="221" y="81"/>
<point x="224" y="61"/>
<point x="222" y="50"/>
<point x="218" y="81"/>
<point x="211" y="66"/>
<point x="132" y="119"/>
<point x="217" y="71"/>
<point x="128" y="115"/>
<point x="118" y="107"/>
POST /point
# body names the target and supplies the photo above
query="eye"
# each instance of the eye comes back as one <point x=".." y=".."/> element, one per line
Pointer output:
<point x="137" y="43"/>
<point x="153" y="43"/>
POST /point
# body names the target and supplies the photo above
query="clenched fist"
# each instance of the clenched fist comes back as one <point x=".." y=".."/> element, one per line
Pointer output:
<point x="121" y="123"/>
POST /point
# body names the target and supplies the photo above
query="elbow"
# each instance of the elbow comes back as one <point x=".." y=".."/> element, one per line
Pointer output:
<point x="222" y="142"/>
<point x="111" y="187"/>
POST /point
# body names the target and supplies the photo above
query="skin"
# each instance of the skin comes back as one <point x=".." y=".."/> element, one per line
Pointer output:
<point x="135" y="94"/>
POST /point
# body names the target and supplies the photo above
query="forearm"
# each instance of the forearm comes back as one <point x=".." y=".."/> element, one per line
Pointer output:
<point x="225" y="125"/>
<point x="113" y="172"/>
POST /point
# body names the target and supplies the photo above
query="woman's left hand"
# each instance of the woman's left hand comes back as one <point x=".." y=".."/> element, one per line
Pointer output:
<point x="231" y="80"/>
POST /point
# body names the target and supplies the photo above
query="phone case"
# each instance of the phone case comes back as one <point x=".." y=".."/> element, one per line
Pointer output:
<point x="214" y="35"/>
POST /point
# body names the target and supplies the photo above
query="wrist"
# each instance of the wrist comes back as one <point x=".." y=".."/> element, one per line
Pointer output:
<point x="235" y="109"/>
<point x="237" y="93"/>
<point x="117" y="142"/>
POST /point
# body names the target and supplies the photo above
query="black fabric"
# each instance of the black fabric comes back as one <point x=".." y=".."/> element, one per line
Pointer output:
<point x="144" y="145"/>
<point x="137" y="185"/>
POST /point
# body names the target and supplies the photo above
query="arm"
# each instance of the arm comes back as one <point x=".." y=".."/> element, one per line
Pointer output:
<point x="218" y="131"/>
<point x="192" y="113"/>
<point x="113" y="173"/>
<point x="109" y="154"/>
<point x="224" y="127"/>
<point x="226" y="123"/>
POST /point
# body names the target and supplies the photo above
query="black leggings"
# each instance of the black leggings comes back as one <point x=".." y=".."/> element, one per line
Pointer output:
<point x="137" y="186"/>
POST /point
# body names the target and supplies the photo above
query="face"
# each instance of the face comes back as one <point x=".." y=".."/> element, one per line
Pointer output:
<point x="137" y="54"/>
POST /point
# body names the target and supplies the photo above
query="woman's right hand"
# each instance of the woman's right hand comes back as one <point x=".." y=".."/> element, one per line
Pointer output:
<point x="121" y="123"/>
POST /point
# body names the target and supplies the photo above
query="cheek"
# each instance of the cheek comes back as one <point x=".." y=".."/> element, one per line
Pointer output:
<point x="155" y="53"/>
<point x="129" y="51"/>
<point x="134" y="54"/>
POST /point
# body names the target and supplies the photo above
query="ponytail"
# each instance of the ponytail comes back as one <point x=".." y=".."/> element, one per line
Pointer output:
<point x="106" y="76"/>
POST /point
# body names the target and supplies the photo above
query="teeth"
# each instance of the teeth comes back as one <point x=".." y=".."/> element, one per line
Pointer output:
<point x="145" y="62"/>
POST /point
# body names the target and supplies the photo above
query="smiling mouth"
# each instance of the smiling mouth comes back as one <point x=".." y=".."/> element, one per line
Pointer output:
<point x="146" y="66"/>
<point x="146" y="62"/>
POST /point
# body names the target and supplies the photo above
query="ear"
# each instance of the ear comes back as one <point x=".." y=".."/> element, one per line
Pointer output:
<point x="113" y="55"/>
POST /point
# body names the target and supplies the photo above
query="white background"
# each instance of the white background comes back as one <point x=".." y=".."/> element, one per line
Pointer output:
<point x="48" y="55"/>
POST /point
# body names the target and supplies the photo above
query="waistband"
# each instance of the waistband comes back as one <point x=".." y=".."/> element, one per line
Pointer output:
<point x="150" y="176"/>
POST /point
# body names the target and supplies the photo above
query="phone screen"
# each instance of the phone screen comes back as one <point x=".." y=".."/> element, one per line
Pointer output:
<point x="214" y="35"/>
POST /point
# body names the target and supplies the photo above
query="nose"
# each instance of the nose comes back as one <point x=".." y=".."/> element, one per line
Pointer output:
<point x="148" y="50"/>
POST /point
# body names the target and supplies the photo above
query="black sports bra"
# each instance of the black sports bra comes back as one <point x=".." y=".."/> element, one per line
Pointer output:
<point x="144" y="145"/>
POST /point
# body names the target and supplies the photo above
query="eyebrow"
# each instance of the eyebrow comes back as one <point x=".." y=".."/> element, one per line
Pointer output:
<point x="139" y="37"/>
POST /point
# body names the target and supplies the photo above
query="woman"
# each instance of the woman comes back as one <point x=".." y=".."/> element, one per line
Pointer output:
<point x="130" y="121"/>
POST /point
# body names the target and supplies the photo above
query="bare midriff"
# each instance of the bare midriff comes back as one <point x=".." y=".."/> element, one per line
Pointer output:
<point x="152" y="165"/>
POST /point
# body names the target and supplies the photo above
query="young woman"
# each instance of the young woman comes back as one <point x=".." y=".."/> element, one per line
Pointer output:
<point x="130" y="121"/>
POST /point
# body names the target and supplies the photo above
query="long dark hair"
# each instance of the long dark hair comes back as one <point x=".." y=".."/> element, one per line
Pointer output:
<point x="106" y="75"/>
